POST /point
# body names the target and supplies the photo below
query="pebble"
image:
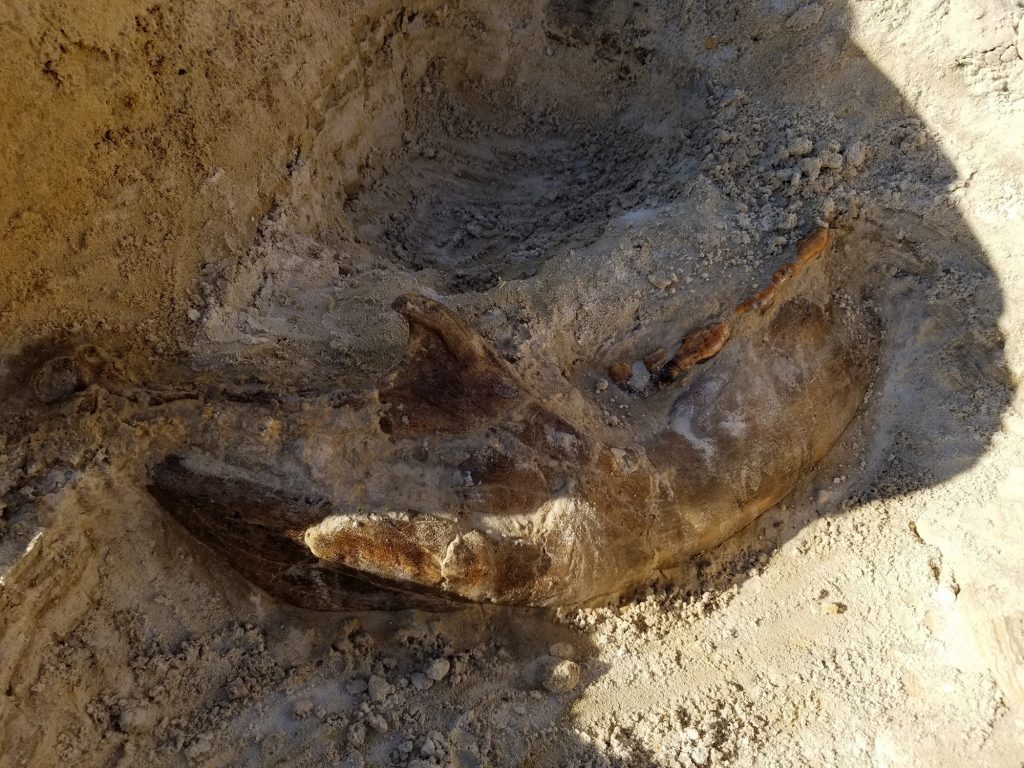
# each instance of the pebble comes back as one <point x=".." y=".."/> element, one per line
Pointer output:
<point x="660" y="280"/>
<point x="437" y="670"/>
<point x="831" y="159"/>
<point x="559" y="675"/>
<point x="420" y="681"/>
<point x="193" y="314"/>
<point x="856" y="154"/>
<point x="59" y="378"/>
<point x="699" y="755"/>
<point x="357" y="734"/>
<point x="800" y="146"/>
<point x="378" y="688"/>
<point x="811" y="166"/>
<point x="355" y="686"/>
<point x="832" y="609"/>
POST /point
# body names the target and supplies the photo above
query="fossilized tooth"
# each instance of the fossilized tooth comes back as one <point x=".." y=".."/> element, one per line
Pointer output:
<point x="542" y="512"/>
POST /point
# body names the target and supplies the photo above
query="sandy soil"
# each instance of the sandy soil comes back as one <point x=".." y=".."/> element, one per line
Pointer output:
<point x="224" y="198"/>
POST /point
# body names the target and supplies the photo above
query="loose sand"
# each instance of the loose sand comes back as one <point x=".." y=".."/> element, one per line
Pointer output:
<point x="221" y="198"/>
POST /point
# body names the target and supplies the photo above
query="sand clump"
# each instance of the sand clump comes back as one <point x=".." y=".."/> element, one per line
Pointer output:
<point x="222" y="203"/>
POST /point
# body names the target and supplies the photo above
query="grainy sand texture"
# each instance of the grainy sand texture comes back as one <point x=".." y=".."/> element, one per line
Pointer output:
<point x="207" y="210"/>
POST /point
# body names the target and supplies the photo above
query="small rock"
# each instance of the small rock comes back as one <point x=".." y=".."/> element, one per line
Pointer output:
<point x="830" y="608"/>
<point x="420" y="681"/>
<point x="378" y="723"/>
<point x="474" y="230"/>
<point x="805" y="17"/>
<point x="660" y="280"/>
<point x="193" y="314"/>
<point x="355" y="686"/>
<point x="559" y="675"/>
<point x="429" y="152"/>
<point x="357" y="734"/>
<point x="428" y="748"/>
<point x="811" y="166"/>
<point x="800" y="146"/>
<point x="378" y="688"/>
<point x="602" y="386"/>
<point x="828" y="209"/>
<point x="60" y="378"/>
<point x="856" y="154"/>
<point x="831" y="160"/>
<point x="699" y="755"/>
<point x="437" y="670"/>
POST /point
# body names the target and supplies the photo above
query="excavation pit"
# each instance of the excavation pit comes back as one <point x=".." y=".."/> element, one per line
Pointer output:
<point x="479" y="168"/>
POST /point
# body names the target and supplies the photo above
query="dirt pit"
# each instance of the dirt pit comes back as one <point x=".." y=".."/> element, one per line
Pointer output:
<point x="215" y="208"/>
<point x="477" y="149"/>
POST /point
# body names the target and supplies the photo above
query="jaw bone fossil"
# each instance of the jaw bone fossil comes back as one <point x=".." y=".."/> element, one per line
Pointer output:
<point x="511" y="504"/>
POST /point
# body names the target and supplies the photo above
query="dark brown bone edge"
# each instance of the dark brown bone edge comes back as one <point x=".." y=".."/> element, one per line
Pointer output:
<point x="257" y="529"/>
<point x="696" y="348"/>
<point x="450" y="378"/>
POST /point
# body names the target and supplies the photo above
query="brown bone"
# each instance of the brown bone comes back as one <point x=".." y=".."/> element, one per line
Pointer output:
<point x="516" y="505"/>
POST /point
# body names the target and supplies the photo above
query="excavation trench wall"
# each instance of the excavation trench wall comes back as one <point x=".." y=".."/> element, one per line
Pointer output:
<point x="144" y="141"/>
